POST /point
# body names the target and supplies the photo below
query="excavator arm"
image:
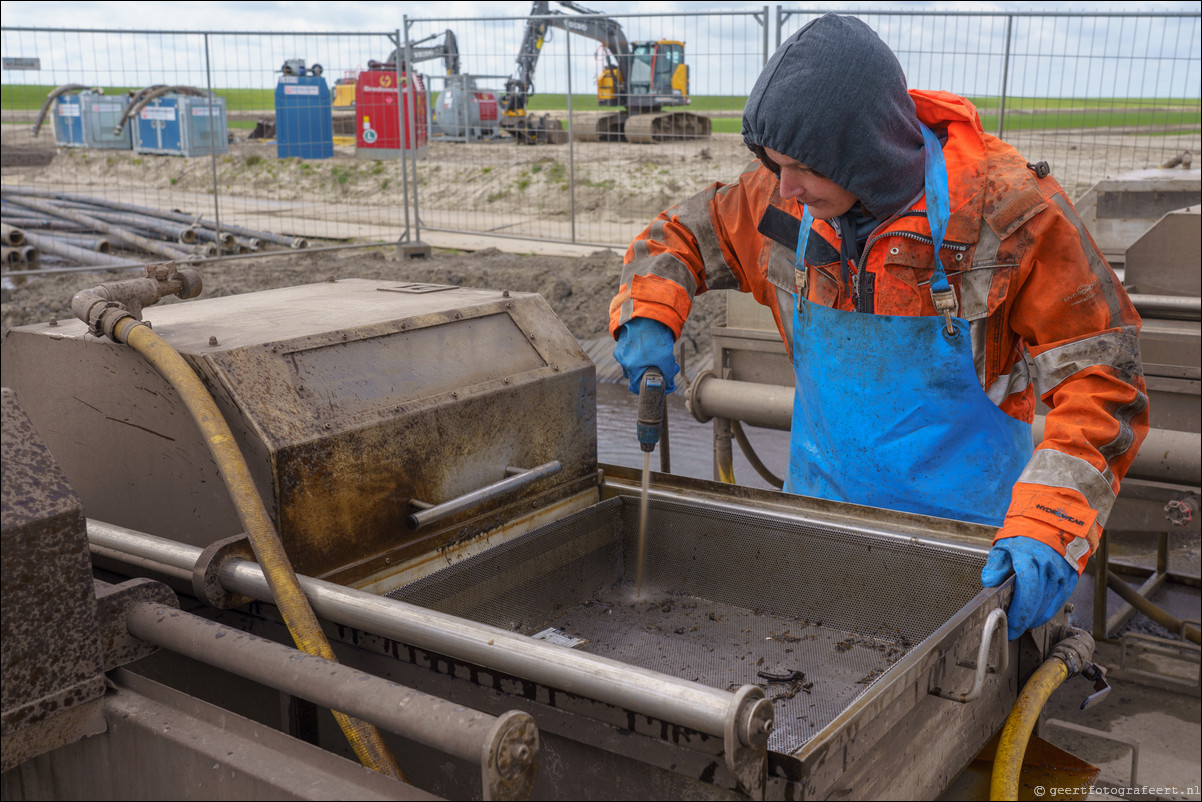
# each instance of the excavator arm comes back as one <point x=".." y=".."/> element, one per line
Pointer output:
<point x="608" y="32"/>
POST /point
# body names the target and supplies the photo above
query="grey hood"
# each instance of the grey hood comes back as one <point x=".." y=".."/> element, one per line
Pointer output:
<point x="833" y="96"/>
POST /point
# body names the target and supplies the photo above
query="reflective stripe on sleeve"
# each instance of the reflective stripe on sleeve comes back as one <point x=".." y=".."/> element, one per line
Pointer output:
<point x="1054" y="468"/>
<point x="1113" y="349"/>
<point x="1126" y="434"/>
<point x="663" y="265"/>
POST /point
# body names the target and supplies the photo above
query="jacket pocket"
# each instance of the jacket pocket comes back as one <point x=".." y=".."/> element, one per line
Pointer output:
<point x="824" y="288"/>
<point x="983" y="289"/>
<point x="903" y="285"/>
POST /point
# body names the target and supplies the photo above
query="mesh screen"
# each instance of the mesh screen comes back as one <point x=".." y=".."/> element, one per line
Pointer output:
<point x="813" y="615"/>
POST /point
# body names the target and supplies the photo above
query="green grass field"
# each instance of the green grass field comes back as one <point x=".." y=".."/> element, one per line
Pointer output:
<point x="1023" y="114"/>
<point x="30" y="97"/>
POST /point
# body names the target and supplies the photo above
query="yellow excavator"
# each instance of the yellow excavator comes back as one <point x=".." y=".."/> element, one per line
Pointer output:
<point x="640" y="80"/>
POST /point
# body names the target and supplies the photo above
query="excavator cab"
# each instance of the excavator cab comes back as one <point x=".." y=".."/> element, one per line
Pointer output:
<point x="658" y="77"/>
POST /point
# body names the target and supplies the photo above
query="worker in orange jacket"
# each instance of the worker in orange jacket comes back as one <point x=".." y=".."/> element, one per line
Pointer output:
<point x="916" y="377"/>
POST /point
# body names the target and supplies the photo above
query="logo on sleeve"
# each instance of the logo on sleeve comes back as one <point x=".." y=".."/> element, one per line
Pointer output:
<point x="1061" y="514"/>
<point x="1083" y="293"/>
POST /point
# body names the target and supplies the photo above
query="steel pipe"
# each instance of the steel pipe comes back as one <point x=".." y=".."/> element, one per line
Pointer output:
<point x="225" y="239"/>
<point x="1177" y="307"/>
<point x="83" y="240"/>
<point x="49" y="224"/>
<point x="1151" y="610"/>
<point x="296" y="243"/>
<point x="767" y="405"/>
<point x="438" y="723"/>
<point x="689" y="704"/>
<point x="1165" y="456"/>
<point x="115" y="231"/>
<point x="67" y="250"/>
<point x="11" y="235"/>
<point x="182" y="233"/>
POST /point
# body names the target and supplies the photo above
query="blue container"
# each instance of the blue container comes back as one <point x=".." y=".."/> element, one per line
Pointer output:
<point x="304" y="122"/>
<point x="101" y="114"/>
<point x="68" y="121"/>
<point x="182" y="125"/>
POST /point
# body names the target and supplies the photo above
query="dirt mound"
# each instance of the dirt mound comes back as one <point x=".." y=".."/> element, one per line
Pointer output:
<point x="579" y="289"/>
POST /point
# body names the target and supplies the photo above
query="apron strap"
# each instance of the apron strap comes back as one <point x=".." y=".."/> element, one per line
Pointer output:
<point x="938" y="213"/>
<point x="799" y="258"/>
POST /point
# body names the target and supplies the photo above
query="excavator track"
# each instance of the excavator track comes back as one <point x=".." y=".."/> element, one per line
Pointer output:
<point x="600" y="128"/>
<point x="536" y="129"/>
<point x="668" y="126"/>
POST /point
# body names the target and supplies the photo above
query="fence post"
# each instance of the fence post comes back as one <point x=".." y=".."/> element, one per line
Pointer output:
<point x="411" y="123"/>
<point x="213" y="142"/>
<point x="397" y="43"/>
<point x="764" y="22"/>
<point x="571" y="145"/>
<point x="1001" y="113"/>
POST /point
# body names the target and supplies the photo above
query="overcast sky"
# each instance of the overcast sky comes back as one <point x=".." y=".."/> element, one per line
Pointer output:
<point x="369" y="16"/>
<point x="1056" y="56"/>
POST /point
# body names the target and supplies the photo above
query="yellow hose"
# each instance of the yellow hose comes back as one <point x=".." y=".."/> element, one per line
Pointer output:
<point x="1012" y="746"/>
<point x="364" y="738"/>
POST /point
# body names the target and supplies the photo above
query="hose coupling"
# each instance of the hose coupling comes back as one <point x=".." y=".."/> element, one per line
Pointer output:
<point x="1076" y="652"/>
<point x="104" y="306"/>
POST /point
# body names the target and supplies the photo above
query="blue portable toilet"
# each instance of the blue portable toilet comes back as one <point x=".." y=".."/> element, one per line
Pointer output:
<point x="100" y="115"/>
<point x="68" y="121"/>
<point x="304" y="120"/>
<point x="182" y="125"/>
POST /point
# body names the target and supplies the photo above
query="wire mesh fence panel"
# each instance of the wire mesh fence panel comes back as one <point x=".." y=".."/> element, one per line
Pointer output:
<point x="558" y="126"/>
<point x="600" y="121"/>
<point x="298" y="167"/>
<point x="1094" y="95"/>
<point x="149" y="145"/>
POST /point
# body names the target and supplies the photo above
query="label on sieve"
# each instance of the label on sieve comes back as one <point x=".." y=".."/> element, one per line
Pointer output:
<point x="559" y="638"/>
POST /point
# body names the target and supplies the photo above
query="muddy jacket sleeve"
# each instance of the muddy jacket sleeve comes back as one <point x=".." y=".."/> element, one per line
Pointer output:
<point x="708" y="242"/>
<point x="1081" y="335"/>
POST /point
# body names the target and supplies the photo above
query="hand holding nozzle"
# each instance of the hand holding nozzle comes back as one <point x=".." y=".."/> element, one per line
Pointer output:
<point x="651" y="408"/>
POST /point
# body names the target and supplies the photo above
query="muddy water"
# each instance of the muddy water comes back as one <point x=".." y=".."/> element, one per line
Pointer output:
<point x="691" y="442"/>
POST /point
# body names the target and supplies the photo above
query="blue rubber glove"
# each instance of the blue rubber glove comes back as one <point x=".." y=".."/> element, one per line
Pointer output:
<point x="1043" y="580"/>
<point x="645" y="343"/>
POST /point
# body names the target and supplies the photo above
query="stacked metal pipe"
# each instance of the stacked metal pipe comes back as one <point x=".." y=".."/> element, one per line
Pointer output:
<point x="86" y="230"/>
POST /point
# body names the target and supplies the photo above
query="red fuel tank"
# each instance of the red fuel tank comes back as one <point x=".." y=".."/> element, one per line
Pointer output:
<point x="384" y="125"/>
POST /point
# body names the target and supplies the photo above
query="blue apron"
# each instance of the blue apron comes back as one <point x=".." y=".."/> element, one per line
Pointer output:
<point x="888" y="411"/>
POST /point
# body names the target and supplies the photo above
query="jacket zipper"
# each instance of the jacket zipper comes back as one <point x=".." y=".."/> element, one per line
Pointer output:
<point x="951" y="246"/>
<point x="862" y="267"/>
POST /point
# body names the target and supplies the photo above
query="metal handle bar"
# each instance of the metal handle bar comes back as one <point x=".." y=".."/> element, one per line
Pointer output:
<point x="995" y="620"/>
<point x="428" y="514"/>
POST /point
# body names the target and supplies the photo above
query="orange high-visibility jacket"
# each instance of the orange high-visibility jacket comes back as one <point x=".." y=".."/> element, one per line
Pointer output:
<point x="1046" y="312"/>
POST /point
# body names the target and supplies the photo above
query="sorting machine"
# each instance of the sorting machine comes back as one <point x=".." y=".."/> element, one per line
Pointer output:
<point x="426" y="456"/>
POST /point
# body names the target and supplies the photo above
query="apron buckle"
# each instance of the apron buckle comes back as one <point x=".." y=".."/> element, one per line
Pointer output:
<point x="945" y="304"/>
